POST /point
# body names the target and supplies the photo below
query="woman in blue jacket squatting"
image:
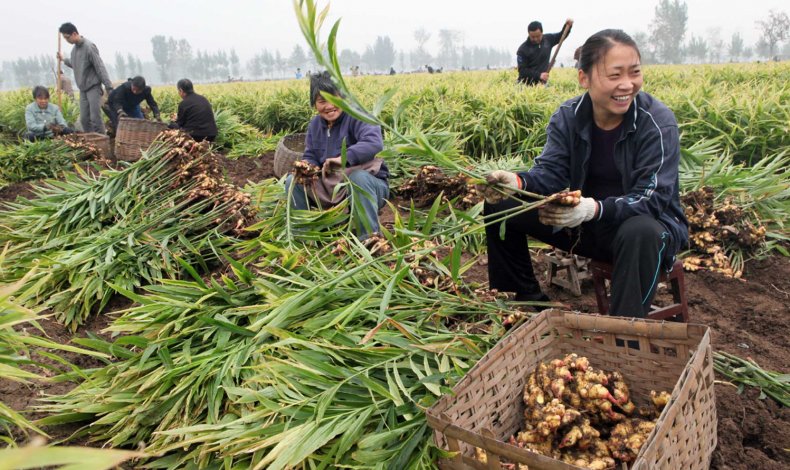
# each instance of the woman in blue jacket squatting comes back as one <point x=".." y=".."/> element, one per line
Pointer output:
<point x="620" y="147"/>
<point x="325" y="136"/>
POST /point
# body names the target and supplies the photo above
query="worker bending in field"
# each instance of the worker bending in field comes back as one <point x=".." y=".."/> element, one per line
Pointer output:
<point x="195" y="115"/>
<point x="89" y="73"/>
<point x="620" y="147"/>
<point x="44" y="119"/>
<point x="125" y="101"/>
<point x="326" y="135"/>
<point x="533" y="55"/>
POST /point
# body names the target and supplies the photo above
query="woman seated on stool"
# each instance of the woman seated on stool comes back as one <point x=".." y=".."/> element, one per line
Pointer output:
<point x="326" y="135"/>
<point x="620" y="147"/>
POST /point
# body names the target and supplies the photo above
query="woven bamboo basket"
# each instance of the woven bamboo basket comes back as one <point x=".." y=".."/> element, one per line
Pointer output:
<point x="486" y="406"/>
<point x="101" y="141"/>
<point x="133" y="136"/>
<point x="289" y="149"/>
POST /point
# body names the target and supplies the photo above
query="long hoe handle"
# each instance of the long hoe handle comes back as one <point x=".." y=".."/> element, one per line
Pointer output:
<point x="57" y="78"/>
<point x="565" y="30"/>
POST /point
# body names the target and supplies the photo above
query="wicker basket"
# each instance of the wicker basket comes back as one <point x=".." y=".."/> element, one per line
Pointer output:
<point x="133" y="136"/>
<point x="486" y="406"/>
<point x="101" y="141"/>
<point x="289" y="149"/>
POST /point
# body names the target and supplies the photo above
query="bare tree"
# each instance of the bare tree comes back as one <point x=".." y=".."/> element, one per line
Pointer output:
<point x="776" y="28"/>
<point x="421" y="36"/>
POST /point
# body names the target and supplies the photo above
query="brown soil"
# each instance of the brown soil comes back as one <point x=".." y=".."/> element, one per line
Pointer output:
<point x="22" y="397"/>
<point x="747" y="317"/>
<point x="242" y="170"/>
<point x="10" y="192"/>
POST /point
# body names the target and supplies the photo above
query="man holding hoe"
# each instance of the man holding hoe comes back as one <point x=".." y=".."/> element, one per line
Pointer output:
<point x="533" y="55"/>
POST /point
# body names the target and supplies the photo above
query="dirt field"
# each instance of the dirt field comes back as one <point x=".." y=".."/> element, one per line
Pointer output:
<point x="748" y="317"/>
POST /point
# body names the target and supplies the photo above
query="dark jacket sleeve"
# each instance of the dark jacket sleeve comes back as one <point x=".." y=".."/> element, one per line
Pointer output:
<point x="115" y="100"/>
<point x="527" y="72"/>
<point x="149" y="98"/>
<point x="551" y="172"/>
<point x="521" y="62"/>
<point x="368" y="143"/>
<point x="310" y="152"/>
<point x="655" y="175"/>
<point x="181" y="117"/>
<point x="554" y="38"/>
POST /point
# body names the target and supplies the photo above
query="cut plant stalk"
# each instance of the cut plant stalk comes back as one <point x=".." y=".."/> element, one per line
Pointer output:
<point x="747" y="372"/>
<point x="121" y="227"/>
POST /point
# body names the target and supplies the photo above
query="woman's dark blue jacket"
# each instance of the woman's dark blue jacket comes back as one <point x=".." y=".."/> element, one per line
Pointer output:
<point x="647" y="156"/>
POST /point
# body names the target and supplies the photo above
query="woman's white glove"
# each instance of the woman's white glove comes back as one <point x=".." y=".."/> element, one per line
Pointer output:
<point x="497" y="183"/>
<point x="568" y="216"/>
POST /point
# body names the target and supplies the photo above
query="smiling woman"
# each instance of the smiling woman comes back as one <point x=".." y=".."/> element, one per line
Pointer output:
<point x="620" y="147"/>
<point x="612" y="83"/>
<point x="334" y="139"/>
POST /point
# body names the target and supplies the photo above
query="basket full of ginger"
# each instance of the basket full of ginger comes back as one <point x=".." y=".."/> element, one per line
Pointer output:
<point x="567" y="390"/>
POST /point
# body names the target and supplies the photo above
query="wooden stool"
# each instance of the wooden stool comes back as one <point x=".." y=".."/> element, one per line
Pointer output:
<point x="679" y="308"/>
<point x="575" y="268"/>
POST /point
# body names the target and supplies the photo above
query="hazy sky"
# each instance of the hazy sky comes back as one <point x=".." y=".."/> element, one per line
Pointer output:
<point x="250" y="25"/>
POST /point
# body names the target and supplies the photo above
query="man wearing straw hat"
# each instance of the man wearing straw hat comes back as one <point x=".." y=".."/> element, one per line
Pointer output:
<point x="89" y="73"/>
<point x="533" y="55"/>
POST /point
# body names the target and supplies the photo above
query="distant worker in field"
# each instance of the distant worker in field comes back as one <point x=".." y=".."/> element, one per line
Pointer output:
<point x="42" y="118"/>
<point x="298" y="73"/>
<point x="89" y="73"/>
<point x="620" y="148"/>
<point x="65" y="85"/>
<point x="534" y="54"/>
<point x="195" y="115"/>
<point x="367" y="174"/>
<point x="124" y="101"/>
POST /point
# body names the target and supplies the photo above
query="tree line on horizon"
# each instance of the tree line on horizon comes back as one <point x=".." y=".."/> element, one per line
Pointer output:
<point x="665" y="43"/>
